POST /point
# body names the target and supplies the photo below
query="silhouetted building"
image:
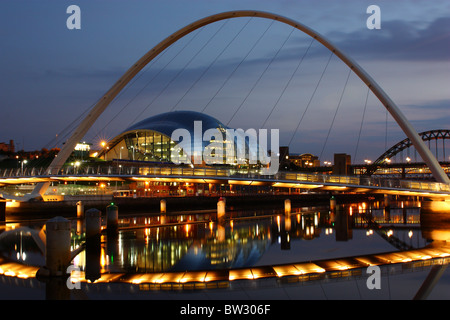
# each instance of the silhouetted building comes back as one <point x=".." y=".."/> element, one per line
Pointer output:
<point x="342" y="164"/>
<point x="7" y="147"/>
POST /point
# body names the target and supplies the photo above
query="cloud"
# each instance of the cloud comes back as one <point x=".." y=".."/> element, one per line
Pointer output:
<point x="398" y="40"/>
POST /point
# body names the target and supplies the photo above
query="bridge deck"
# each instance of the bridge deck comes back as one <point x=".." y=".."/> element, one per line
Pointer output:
<point x="318" y="182"/>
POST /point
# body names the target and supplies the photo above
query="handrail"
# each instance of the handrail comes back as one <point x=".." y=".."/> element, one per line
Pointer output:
<point x="301" y="177"/>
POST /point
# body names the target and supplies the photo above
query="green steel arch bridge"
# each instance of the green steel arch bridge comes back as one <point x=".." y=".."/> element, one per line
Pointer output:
<point x="406" y="144"/>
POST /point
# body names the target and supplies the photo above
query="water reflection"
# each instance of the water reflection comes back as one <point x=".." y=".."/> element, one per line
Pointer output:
<point x="198" y="242"/>
<point x="248" y="238"/>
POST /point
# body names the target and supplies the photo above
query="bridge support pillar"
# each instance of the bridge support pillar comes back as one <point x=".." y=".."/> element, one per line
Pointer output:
<point x="80" y="209"/>
<point x="162" y="206"/>
<point x="287" y="206"/>
<point x="93" y="222"/>
<point x="57" y="250"/>
<point x="387" y="201"/>
<point x="220" y="208"/>
<point x="112" y="218"/>
<point x="333" y="203"/>
<point x="2" y="211"/>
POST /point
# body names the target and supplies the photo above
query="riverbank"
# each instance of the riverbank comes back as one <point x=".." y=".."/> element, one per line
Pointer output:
<point x="68" y="208"/>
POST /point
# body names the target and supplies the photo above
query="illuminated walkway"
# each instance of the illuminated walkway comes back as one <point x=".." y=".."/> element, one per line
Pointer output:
<point x="318" y="182"/>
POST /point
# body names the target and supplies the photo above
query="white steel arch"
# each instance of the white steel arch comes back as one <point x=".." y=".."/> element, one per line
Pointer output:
<point x="103" y="103"/>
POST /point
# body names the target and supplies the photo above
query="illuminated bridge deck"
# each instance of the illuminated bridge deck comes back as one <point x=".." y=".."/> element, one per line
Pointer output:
<point x="318" y="182"/>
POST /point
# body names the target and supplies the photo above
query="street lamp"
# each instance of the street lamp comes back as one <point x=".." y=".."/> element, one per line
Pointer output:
<point x="76" y="165"/>
<point x="103" y="144"/>
<point x="23" y="162"/>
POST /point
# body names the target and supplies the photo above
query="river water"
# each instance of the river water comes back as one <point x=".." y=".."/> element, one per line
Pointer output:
<point x="196" y="241"/>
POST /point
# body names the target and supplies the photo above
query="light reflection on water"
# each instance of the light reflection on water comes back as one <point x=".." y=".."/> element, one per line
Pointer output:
<point x="244" y="239"/>
<point x="254" y="238"/>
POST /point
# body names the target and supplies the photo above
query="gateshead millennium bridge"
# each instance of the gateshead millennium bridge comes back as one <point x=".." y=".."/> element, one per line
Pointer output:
<point x="436" y="256"/>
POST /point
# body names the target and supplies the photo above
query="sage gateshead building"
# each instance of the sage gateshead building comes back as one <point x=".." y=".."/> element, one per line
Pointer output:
<point x="150" y="140"/>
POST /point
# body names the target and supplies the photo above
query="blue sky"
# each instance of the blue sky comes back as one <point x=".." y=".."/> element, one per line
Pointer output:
<point x="50" y="75"/>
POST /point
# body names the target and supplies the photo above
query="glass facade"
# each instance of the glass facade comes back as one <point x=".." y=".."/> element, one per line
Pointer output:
<point x="148" y="145"/>
<point x="150" y="140"/>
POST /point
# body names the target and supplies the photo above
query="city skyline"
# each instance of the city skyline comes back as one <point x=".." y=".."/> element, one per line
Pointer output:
<point x="52" y="74"/>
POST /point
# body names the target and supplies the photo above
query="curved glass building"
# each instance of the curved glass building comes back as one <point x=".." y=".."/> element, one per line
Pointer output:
<point x="151" y="138"/>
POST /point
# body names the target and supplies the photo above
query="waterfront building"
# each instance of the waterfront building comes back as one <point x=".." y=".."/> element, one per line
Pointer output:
<point x="150" y="140"/>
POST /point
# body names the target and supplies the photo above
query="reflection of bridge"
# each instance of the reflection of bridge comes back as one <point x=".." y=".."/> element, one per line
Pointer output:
<point x="433" y="256"/>
<point x="315" y="182"/>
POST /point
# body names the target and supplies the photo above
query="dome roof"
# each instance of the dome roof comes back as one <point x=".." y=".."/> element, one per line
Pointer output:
<point x="166" y="123"/>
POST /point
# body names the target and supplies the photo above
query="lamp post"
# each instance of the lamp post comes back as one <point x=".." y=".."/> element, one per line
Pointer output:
<point x="103" y="143"/>
<point x="23" y="162"/>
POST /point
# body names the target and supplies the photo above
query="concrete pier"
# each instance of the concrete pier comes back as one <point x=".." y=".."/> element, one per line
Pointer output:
<point x="112" y="217"/>
<point x="162" y="206"/>
<point x="80" y="209"/>
<point x="57" y="256"/>
<point x="333" y="203"/>
<point x="287" y="206"/>
<point x="220" y="208"/>
<point x="93" y="222"/>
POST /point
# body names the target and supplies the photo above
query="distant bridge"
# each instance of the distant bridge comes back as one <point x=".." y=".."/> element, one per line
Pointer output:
<point x="385" y="158"/>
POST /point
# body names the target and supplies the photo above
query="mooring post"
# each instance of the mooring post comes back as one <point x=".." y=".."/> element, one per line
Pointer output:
<point x="57" y="255"/>
<point x="220" y="208"/>
<point x="93" y="219"/>
<point x="112" y="217"/>
<point x="80" y="209"/>
<point x="162" y="206"/>
<point x="2" y="211"/>
<point x="332" y="203"/>
<point x="287" y="206"/>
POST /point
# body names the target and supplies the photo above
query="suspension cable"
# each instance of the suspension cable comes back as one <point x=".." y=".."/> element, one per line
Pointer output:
<point x="209" y="66"/>
<point x="288" y="83"/>
<point x="310" y="100"/>
<point x="261" y="75"/>
<point x="167" y="85"/>
<point x="232" y="73"/>
<point x="335" y="113"/>
<point x="361" y="126"/>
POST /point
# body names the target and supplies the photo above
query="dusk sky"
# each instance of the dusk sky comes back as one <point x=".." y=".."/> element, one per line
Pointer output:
<point x="50" y="75"/>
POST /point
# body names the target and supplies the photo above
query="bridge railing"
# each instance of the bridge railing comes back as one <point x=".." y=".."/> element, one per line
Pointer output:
<point x="227" y="173"/>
